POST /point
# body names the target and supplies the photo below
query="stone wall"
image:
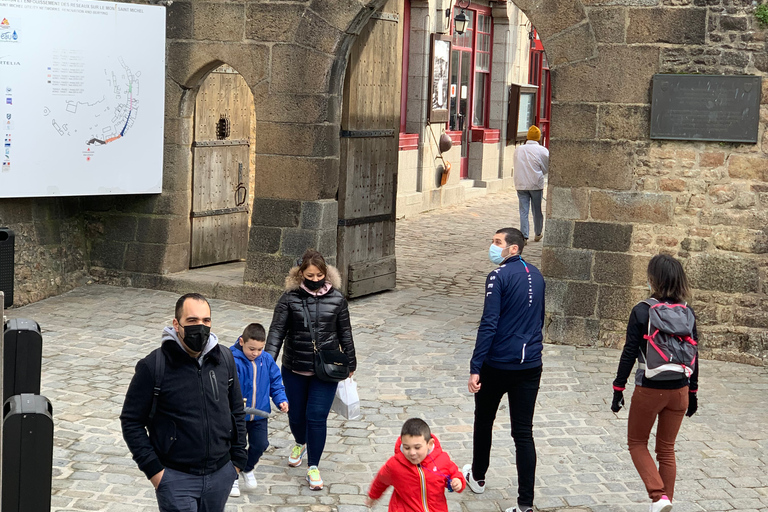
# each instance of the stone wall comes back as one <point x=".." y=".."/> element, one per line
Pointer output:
<point x="51" y="254"/>
<point x="616" y="198"/>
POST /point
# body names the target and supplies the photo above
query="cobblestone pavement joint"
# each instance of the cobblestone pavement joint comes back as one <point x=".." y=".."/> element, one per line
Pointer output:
<point x="414" y="345"/>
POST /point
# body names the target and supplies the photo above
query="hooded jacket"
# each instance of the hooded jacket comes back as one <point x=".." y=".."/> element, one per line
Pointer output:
<point x="510" y="333"/>
<point x="199" y="423"/>
<point x="329" y="315"/>
<point x="418" y="488"/>
<point x="269" y="382"/>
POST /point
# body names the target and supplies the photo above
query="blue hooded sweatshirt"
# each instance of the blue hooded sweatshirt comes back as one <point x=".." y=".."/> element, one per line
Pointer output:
<point x="269" y="382"/>
<point x="510" y="333"/>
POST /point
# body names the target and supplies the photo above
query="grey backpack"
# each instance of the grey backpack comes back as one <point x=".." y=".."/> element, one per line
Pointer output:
<point x="671" y="351"/>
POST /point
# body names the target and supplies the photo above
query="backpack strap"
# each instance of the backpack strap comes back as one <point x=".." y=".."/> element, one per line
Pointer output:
<point x="651" y="302"/>
<point x="159" y="374"/>
<point x="229" y="360"/>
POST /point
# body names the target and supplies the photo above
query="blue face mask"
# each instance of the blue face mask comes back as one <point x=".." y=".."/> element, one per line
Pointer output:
<point x="494" y="254"/>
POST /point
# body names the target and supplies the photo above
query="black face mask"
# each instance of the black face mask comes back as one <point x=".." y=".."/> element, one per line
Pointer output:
<point x="313" y="285"/>
<point x="196" y="336"/>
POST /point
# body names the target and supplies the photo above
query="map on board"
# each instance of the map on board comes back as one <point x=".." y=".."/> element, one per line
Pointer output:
<point x="82" y="109"/>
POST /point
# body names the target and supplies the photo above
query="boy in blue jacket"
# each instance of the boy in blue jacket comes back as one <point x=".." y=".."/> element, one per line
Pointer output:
<point x="260" y="379"/>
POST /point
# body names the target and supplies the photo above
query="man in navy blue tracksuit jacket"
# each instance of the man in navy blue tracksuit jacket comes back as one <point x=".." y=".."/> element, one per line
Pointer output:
<point x="507" y="359"/>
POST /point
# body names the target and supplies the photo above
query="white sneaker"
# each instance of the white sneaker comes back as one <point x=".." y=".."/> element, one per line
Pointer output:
<point x="313" y="477"/>
<point x="249" y="479"/>
<point x="297" y="453"/>
<point x="663" y="505"/>
<point x="235" y="492"/>
<point x="519" y="508"/>
<point x="477" y="487"/>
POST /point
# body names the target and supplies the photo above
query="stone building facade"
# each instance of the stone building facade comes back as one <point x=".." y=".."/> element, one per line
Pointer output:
<point x="488" y="157"/>
<point x="615" y="197"/>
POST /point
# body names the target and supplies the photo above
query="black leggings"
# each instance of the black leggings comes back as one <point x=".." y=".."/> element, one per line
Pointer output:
<point x="522" y="388"/>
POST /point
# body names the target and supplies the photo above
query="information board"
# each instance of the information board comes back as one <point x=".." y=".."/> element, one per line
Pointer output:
<point x="83" y="89"/>
<point x="705" y="107"/>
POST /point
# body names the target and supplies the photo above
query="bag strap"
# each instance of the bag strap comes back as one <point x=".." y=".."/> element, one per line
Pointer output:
<point x="159" y="373"/>
<point x="308" y="322"/>
<point x="651" y="302"/>
<point x="229" y="360"/>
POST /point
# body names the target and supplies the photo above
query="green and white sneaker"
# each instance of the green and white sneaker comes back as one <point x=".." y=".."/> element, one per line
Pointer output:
<point x="297" y="454"/>
<point x="313" y="477"/>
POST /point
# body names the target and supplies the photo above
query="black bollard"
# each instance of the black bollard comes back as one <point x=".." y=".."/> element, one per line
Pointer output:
<point x="27" y="454"/>
<point x="22" y="357"/>
<point x="7" y="252"/>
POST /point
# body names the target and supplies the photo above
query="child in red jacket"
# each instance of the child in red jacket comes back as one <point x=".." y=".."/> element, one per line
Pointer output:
<point x="420" y="471"/>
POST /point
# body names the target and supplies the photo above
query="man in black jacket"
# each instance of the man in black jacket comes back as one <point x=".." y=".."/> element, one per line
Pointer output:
<point x="183" y="417"/>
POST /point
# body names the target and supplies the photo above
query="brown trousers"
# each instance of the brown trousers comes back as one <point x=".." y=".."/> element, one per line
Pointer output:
<point x="669" y="405"/>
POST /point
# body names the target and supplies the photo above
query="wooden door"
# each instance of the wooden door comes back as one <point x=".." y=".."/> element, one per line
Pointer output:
<point x="220" y="174"/>
<point x="368" y="156"/>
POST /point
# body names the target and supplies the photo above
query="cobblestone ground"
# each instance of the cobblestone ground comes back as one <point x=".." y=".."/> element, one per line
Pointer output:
<point x="414" y="345"/>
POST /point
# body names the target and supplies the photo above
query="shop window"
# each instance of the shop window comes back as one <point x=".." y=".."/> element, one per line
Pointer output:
<point x="470" y="71"/>
<point x="482" y="69"/>
<point x="538" y="74"/>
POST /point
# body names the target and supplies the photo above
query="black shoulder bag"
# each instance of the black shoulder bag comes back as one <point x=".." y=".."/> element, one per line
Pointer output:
<point x="330" y="365"/>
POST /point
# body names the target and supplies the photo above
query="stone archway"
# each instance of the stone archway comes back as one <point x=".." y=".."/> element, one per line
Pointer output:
<point x="615" y="197"/>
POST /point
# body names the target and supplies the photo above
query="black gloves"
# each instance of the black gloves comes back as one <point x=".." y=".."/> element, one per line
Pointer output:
<point x="618" y="400"/>
<point x="693" y="404"/>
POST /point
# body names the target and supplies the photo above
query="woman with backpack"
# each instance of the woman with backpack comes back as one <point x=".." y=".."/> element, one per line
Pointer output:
<point x="310" y="323"/>
<point x="662" y="337"/>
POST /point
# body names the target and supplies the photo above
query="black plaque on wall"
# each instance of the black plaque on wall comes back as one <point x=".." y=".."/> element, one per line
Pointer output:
<point x="705" y="107"/>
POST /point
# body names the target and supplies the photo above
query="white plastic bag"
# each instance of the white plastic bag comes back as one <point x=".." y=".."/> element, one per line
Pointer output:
<point x="347" y="401"/>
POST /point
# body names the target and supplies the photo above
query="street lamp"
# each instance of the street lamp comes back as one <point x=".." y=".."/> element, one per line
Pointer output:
<point x="461" y="19"/>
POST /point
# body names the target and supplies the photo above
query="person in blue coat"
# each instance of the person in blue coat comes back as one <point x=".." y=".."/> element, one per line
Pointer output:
<point x="507" y="360"/>
<point x="260" y="379"/>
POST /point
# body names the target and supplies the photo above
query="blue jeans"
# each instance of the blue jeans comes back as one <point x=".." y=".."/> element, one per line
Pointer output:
<point x="182" y="492"/>
<point x="525" y="198"/>
<point x="310" y="401"/>
<point x="258" y="442"/>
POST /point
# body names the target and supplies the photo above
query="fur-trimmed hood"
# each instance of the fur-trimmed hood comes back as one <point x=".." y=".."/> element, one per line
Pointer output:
<point x="293" y="279"/>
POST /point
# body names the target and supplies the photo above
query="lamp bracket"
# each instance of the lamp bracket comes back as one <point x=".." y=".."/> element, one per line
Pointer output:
<point x="461" y="4"/>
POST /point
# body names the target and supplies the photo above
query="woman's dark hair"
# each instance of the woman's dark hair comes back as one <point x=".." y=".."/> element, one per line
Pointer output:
<point x="416" y="427"/>
<point x="312" y="257"/>
<point x="667" y="279"/>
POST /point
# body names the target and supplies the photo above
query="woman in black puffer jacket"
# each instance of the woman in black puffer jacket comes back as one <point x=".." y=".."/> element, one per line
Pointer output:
<point x="315" y="284"/>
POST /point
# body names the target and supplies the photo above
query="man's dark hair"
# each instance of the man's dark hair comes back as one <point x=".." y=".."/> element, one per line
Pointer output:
<point x="416" y="427"/>
<point x="513" y="237"/>
<point x="667" y="278"/>
<point x="254" y="332"/>
<point x="183" y="299"/>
